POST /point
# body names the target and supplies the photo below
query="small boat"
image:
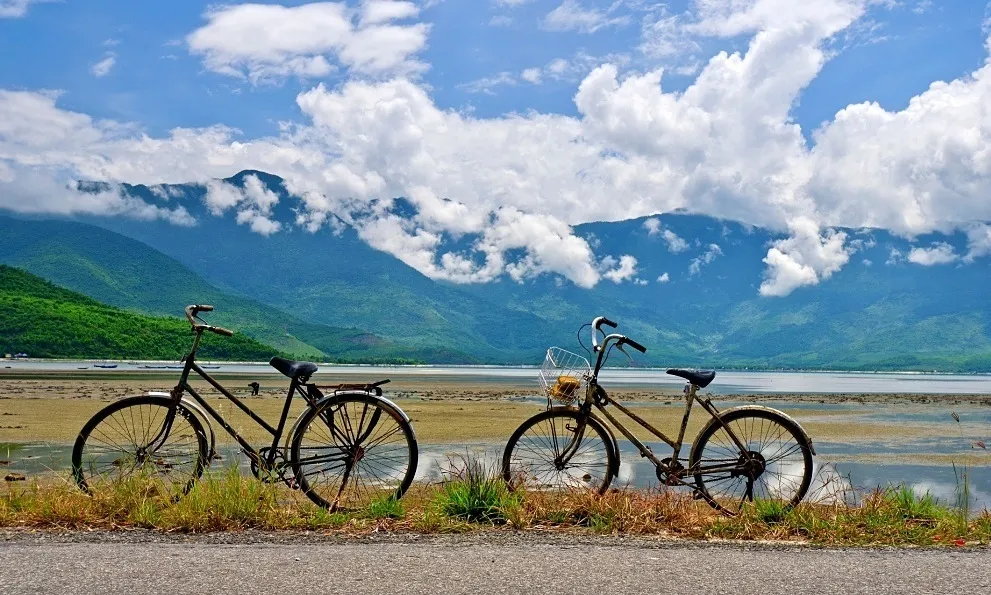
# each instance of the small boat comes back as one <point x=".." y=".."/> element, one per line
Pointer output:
<point x="153" y="367"/>
<point x="210" y="367"/>
<point x="83" y="368"/>
<point x="109" y="366"/>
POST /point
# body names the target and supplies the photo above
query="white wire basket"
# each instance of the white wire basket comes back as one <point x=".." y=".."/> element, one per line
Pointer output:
<point x="564" y="375"/>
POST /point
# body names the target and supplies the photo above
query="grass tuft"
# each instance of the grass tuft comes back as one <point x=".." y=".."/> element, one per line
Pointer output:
<point x="477" y="495"/>
<point x="385" y="508"/>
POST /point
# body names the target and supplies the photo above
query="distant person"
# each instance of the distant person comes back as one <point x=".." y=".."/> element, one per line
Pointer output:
<point x="254" y="388"/>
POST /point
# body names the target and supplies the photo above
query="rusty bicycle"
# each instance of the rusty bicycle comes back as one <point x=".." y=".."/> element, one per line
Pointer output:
<point x="349" y="447"/>
<point x="740" y="455"/>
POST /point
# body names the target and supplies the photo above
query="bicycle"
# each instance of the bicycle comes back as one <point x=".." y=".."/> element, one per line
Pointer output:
<point x="345" y="450"/>
<point x="741" y="454"/>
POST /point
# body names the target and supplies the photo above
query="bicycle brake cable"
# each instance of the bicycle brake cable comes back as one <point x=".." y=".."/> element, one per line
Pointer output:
<point x="580" y="339"/>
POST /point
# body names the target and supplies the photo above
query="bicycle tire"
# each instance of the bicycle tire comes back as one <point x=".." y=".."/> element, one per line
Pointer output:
<point x="112" y="420"/>
<point x="518" y="473"/>
<point x="788" y="439"/>
<point x="389" y="478"/>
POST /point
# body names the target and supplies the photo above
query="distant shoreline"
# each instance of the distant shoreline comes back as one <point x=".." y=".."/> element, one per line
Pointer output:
<point x="141" y="362"/>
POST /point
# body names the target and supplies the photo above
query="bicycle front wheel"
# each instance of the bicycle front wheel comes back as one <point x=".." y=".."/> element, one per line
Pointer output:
<point x="777" y="464"/>
<point x="352" y="450"/>
<point x="124" y="441"/>
<point x="560" y="450"/>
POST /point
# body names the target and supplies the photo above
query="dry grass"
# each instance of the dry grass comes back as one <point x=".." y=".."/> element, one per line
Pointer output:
<point x="231" y="502"/>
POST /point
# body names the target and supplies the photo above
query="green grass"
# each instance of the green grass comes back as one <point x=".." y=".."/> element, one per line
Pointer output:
<point x="386" y="508"/>
<point x="913" y="506"/>
<point x="477" y="495"/>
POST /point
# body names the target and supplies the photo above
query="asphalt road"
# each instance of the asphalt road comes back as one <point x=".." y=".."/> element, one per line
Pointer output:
<point x="471" y="564"/>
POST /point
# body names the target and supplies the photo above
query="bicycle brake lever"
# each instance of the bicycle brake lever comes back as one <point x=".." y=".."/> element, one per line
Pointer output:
<point x="620" y="347"/>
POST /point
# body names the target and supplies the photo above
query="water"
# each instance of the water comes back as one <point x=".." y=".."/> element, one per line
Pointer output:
<point x="726" y="382"/>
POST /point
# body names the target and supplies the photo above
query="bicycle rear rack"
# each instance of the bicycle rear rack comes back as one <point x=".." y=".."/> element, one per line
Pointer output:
<point x="370" y="387"/>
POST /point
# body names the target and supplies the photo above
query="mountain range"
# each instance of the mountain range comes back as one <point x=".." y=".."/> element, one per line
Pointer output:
<point x="694" y="300"/>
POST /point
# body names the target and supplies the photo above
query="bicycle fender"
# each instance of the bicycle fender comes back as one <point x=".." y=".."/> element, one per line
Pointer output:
<point x="197" y="411"/>
<point x="386" y="402"/>
<point x="804" y="434"/>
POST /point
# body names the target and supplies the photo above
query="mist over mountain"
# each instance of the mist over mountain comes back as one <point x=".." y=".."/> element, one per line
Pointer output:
<point x="695" y="290"/>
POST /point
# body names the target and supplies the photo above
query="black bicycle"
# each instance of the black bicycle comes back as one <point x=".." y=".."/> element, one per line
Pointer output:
<point x="742" y="454"/>
<point x="348" y="448"/>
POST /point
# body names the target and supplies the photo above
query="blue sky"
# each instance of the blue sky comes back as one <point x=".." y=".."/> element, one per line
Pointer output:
<point x="505" y="123"/>
<point x="157" y="83"/>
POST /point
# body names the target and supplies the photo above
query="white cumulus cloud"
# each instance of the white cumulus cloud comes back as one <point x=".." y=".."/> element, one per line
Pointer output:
<point x="253" y="203"/>
<point x="267" y="43"/>
<point x="726" y="144"/>
<point x="938" y="253"/>
<point x="625" y="269"/>
<point x="805" y="258"/>
<point x="978" y="241"/>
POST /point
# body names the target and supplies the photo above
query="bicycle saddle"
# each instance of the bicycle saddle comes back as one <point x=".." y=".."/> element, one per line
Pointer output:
<point x="293" y="369"/>
<point x="699" y="379"/>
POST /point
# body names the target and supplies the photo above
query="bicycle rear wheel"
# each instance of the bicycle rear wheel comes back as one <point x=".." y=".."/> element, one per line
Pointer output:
<point x="560" y="450"/>
<point x="123" y="442"/>
<point x="777" y="464"/>
<point x="352" y="450"/>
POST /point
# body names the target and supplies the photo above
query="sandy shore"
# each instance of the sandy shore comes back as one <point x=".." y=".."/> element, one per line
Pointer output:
<point x="54" y="407"/>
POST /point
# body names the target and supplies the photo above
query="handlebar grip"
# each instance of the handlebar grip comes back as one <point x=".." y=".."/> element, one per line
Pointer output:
<point x="608" y="322"/>
<point x="205" y="308"/>
<point x="635" y="345"/>
<point x="222" y="331"/>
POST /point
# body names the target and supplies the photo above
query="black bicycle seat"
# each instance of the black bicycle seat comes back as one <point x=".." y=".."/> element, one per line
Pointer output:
<point x="293" y="369"/>
<point x="700" y="379"/>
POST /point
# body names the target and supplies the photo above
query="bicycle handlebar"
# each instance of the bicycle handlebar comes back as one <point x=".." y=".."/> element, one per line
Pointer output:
<point x="621" y="339"/>
<point x="634" y="345"/>
<point x="192" y="314"/>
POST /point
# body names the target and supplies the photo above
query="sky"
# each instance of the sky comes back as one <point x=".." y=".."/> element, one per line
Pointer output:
<point x="508" y="122"/>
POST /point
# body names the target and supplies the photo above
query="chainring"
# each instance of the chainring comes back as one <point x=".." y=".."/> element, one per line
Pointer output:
<point x="266" y="474"/>
<point x="672" y="473"/>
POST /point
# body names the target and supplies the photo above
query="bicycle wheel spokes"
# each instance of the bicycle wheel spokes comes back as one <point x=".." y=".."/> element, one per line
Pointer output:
<point x="775" y="466"/>
<point x="353" y="452"/>
<point x="558" y="451"/>
<point x="123" y="443"/>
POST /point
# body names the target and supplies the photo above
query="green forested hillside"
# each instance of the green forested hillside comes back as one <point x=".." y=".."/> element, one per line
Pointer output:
<point x="122" y="272"/>
<point x="44" y="320"/>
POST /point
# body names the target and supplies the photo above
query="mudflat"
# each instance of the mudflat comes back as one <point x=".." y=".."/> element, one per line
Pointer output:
<point x="53" y="407"/>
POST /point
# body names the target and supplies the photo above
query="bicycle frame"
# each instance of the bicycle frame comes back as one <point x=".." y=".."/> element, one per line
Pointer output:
<point x="598" y="397"/>
<point x="183" y="386"/>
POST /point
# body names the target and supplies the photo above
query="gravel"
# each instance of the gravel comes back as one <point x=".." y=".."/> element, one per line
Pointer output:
<point x="489" y="562"/>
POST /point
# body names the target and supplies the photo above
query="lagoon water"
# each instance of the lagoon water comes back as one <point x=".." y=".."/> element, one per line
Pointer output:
<point x="726" y="382"/>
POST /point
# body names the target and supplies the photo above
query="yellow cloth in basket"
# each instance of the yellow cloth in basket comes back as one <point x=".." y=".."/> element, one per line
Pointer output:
<point x="565" y="387"/>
